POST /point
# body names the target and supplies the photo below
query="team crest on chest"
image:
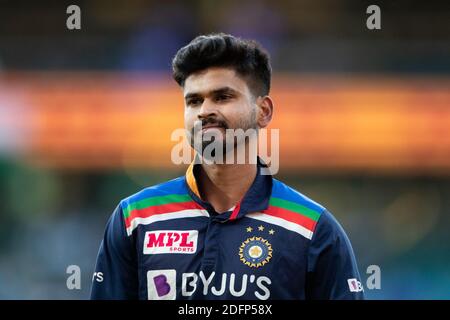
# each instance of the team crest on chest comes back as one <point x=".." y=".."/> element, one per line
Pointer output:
<point x="255" y="252"/>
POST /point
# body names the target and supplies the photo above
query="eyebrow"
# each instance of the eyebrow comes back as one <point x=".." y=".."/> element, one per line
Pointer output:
<point x="212" y="92"/>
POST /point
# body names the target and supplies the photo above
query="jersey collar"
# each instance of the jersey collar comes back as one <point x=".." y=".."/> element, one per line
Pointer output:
<point x="255" y="200"/>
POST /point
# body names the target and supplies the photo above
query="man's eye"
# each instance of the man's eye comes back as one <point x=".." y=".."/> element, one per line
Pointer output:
<point x="223" y="97"/>
<point x="193" y="102"/>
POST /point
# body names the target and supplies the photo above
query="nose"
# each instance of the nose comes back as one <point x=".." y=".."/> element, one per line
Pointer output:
<point x="207" y="110"/>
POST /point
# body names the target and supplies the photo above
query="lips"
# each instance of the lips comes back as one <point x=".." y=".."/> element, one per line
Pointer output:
<point x="204" y="127"/>
<point x="212" y="126"/>
<point x="216" y="125"/>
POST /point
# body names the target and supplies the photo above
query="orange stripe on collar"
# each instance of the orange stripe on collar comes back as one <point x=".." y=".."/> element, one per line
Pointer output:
<point x="190" y="178"/>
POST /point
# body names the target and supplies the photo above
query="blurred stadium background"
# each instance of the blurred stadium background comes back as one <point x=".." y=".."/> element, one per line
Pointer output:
<point x="86" y="117"/>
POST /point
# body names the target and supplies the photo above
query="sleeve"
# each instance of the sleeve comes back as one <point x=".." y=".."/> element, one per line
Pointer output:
<point x="116" y="272"/>
<point x="332" y="269"/>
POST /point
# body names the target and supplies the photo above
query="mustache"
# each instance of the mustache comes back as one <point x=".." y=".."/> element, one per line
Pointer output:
<point x="209" y="121"/>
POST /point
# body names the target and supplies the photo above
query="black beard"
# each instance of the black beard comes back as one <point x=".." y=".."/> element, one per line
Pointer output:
<point x="206" y="142"/>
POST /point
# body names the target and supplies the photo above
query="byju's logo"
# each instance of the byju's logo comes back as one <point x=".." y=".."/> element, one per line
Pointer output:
<point x="354" y="285"/>
<point x="161" y="284"/>
<point x="171" y="241"/>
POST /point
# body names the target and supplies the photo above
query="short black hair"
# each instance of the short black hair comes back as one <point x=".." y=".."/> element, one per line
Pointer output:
<point x="247" y="57"/>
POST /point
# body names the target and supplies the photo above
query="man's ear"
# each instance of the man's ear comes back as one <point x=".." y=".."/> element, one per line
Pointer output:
<point x="265" y="111"/>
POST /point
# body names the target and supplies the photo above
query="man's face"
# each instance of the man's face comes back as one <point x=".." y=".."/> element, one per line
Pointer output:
<point x="220" y="99"/>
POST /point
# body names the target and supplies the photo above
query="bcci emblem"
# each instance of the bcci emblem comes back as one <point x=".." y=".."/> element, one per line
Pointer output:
<point x="255" y="252"/>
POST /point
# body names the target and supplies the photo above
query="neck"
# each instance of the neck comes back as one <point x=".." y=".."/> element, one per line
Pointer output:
<point x="224" y="185"/>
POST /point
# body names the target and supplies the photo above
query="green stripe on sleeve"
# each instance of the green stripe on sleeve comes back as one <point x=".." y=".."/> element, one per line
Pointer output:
<point x="156" y="201"/>
<point x="295" y="207"/>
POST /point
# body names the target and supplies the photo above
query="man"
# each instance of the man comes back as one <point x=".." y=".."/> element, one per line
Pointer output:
<point x="224" y="230"/>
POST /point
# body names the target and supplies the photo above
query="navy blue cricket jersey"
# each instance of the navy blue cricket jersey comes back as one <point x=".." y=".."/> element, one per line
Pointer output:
<point x="165" y="242"/>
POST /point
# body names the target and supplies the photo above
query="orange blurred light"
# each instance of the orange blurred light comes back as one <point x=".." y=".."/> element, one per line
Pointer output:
<point x="111" y="120"/>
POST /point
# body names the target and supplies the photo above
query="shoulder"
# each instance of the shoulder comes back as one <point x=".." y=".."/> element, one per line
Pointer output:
<point x="293" y="209"/>
<point x="163" y="191"/>
<point x="161" y="198"/>
<point x="284" y="192"/>
<point x="310" y="215"/>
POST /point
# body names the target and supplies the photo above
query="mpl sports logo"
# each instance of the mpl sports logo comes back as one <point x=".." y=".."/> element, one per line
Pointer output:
<point x="170" y="241"/>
